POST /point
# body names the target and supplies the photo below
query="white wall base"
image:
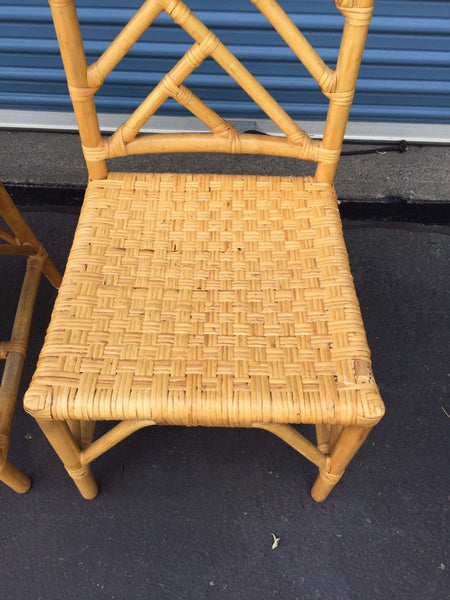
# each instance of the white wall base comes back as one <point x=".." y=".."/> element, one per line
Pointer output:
<point x="427" y="133"/>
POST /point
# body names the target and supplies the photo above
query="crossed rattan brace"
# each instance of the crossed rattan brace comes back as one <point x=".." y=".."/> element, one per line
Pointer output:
<point x="224" y="138"/>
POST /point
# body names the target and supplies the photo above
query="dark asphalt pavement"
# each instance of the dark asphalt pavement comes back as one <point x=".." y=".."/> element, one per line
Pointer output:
<point x="189" y="513"/>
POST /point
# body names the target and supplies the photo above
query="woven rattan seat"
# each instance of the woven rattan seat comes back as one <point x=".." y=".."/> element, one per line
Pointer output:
<point x="213" y="300"/>
<point x="18" y="239"/>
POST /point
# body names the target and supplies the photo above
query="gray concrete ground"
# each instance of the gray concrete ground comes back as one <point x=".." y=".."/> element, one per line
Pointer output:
<point x="419" y="174"/>
<point x="189" y="513"/>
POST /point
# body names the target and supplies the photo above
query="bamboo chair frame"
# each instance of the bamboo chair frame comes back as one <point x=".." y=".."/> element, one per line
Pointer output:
<point x="18" y="240"/>
<point x="343" y="404"/>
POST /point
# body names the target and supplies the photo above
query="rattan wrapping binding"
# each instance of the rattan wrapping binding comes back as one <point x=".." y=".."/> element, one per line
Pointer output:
<point x="214" y="300"/>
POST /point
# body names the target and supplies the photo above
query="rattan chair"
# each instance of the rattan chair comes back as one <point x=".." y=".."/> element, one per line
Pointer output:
<point x="212" y="300"/>
<point x="18" y="240"/>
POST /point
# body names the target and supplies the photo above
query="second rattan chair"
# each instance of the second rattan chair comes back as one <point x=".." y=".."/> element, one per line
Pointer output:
<point x="18" y="240"/>
<point x="208" y="300"/>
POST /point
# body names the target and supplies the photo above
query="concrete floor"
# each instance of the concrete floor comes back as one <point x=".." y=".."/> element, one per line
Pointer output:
<point x="422" y="173"/>
<point x="189" y="513"/>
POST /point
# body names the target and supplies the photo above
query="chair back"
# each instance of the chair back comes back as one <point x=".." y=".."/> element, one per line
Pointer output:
<point x="337" y="85"/>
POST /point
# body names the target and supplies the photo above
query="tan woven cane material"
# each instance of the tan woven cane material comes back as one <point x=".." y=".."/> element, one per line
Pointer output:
<point x="207" y="300"/>
<point x="215" y="300"/>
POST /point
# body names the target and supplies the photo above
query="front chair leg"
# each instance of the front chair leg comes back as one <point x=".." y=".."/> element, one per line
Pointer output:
<point x="347" y="445"/>
<point x="14" y="478"/>
<point x="60" y="437"/>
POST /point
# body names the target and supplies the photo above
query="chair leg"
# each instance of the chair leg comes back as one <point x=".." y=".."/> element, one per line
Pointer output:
<point x="61" y="438"/>
<point x="323" y="438"/>
<point x="345" y="448"/>
<point x="83" y="432"/>
<point x="335" y="432"/>
<point x="75" y="430"/>
<point x="87" y="429"/>
<point x="14" y="478"/>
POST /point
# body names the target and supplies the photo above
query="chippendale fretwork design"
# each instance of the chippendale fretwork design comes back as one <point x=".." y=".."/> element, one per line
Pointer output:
<point x="337" y="85"/>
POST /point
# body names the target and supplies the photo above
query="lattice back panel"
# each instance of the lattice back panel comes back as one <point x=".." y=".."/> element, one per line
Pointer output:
<point x="338" y="85"/>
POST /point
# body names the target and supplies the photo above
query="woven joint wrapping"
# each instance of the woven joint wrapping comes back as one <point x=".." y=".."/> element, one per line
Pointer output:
<point x="330" y="477"/>
<point x="78" y="94"/>
<point x="77" y="472"/>
<point x="327" y="155"/>
<point x="223" y="129"/>
<point x="101" y="151"/>
<point x="116" y="145"/>
<point x="95" y="77"/>
<point x="179" y="12"/>
<point x="19" y="346"/>
<point x="324" y="448"/>
<point x="309" y="151"/>
<point x="196" y="55"/>
<point x="328" y="81"/>
<point x="182" y="95"/>
<point x="209" y="43"/>
<point x="355" y="15"/>
<point x="234" y="141"/>
<point x="341" y="98"/>
<point x="345" y="3"/>
<point x="60" y="3"/>
<point x="297" y="137"/>
<point x="172" y="88"/>
<point x="37" y="260"/>
<point x="354" y="3"/>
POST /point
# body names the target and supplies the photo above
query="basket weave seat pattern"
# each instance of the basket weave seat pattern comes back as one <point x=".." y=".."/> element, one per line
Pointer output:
<point x="207" y="300"/>
<point x="213" y="300"/>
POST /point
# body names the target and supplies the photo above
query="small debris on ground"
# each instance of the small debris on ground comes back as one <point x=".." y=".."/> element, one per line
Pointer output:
<point x="276" y="541"/>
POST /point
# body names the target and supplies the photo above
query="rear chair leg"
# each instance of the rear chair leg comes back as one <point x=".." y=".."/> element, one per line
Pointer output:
<point x="323" y="438"/>
<point x="87" y="429"/>
<point x="75" y="430"/>
<point x="83" y="432"/>
<point x="62" y="440"/>
<point x="346" y="446"/>
<point x="335" y="432"/>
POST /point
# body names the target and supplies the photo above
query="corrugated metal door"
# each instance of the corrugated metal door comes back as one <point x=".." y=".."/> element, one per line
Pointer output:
<point x="405" y="76"/>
